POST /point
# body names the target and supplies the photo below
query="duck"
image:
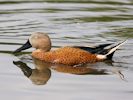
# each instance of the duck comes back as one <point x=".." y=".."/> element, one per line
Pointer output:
<point x="68" y="55"/>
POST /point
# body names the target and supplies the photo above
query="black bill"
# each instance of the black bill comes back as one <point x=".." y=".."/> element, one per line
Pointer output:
<point x="23" y="47"/>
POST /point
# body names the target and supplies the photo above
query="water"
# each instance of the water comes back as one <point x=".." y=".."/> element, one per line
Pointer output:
<point x="68" y="22"/>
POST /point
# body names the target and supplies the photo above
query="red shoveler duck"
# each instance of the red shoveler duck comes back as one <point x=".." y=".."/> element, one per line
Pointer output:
<point x="67" y="55"/>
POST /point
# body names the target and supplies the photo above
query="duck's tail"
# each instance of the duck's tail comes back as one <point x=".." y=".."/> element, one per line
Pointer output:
<point x="107" y="53"/>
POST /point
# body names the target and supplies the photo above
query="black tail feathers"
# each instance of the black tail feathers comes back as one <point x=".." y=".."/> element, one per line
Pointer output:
<point x="109" y="51"/>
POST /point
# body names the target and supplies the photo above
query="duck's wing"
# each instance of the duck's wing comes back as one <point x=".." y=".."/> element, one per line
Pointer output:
<point x="95" y="49"/>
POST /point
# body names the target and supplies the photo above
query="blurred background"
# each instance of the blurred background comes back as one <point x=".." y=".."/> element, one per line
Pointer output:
<point x="68" y="22"/>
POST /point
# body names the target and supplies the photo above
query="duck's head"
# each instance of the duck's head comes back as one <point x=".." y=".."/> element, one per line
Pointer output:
<point x="38" y="40"/>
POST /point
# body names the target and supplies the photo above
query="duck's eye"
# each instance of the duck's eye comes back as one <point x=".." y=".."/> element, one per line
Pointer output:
<point x="35" y="37"/>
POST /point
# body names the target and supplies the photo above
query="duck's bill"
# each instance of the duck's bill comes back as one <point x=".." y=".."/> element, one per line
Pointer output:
<point x="23" y="47"/>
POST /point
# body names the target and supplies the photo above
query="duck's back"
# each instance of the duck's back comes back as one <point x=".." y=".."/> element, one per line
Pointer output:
<point x="66" y="55"/>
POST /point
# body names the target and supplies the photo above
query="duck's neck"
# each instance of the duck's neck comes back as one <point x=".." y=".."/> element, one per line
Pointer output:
<point x="41" y="50"/>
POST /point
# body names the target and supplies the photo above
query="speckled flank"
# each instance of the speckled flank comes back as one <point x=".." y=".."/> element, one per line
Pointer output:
<point x="66" y="55"/>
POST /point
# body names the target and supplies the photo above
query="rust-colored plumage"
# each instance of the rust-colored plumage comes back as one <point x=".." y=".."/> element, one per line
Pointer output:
<point x="66" y="55"/>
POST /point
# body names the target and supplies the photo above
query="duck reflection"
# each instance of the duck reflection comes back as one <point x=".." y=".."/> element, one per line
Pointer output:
<point x="42" y="71"/>
<point x="39" y="75"/>
<point x="79" y="70"/>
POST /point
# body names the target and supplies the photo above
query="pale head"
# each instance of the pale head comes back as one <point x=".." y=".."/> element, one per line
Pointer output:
<point x="40" y="41"/>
